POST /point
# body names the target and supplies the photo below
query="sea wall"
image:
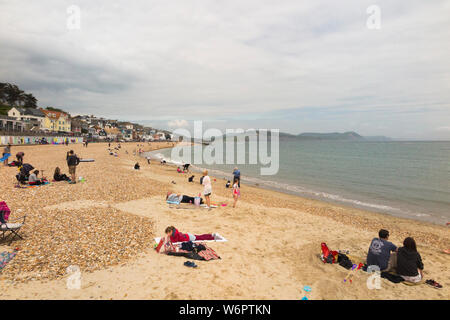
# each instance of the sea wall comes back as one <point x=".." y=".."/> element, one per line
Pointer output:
<point x="20" y="140"/>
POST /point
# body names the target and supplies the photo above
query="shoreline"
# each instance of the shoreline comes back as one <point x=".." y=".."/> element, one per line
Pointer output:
<point x="272" y="249"/>
<point x="270" y="185"/>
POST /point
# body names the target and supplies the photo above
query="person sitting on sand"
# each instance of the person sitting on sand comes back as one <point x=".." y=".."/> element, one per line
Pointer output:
<point x="179" y="170"/>
<point x="380" y="252"/>
<point x="33" y="178"/>
<point x="409" y="262"/>
<point x="174" y="235"/>
<point x="137" y="166"/>
<point x="179" y="198"/>
<point x="57" y="176"/>
<point x="228" y="184"/>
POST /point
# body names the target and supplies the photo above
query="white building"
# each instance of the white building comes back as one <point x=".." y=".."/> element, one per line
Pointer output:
<point x="30" y="116"/>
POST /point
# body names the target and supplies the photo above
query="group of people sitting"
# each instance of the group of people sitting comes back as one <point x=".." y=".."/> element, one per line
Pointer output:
<point x="405" y="261"/>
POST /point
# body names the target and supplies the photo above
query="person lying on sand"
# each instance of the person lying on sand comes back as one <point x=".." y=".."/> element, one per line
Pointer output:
<point x="177" y="197"/>
<point x="174" y="235"/>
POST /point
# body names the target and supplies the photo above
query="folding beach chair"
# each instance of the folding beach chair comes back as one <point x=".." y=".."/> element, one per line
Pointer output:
<point x="10" y="228"/>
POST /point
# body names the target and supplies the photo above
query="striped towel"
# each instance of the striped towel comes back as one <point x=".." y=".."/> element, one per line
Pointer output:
<point x="208" y="254"/>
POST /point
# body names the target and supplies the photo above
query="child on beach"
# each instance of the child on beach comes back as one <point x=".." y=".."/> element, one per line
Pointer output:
<point x="33" y="178"/>
<point x="207" y="188"/>
<point x="58" y="176"/>
<point x="174" y="235"/>
<point x="236" y="191"/>
<point x="72" y="163"/>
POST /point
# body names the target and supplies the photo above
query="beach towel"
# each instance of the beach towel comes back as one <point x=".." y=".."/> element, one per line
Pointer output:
<point x="34" y="186"/>
<point x="218" y="238"/>
<point x="5" y="157"/>
<point x="87" y="160"/>
<point x="5" y="258"/>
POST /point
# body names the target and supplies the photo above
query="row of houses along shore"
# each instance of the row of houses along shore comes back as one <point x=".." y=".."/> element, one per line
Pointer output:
<point x="39" y="121"/>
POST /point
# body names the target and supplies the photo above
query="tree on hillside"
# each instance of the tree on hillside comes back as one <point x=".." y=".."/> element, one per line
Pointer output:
<point x="13" y="96"/>
<point x="30" y="101"/>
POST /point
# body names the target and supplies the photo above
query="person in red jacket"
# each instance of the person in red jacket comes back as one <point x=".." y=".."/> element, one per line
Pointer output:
<point x="176" y="236"/>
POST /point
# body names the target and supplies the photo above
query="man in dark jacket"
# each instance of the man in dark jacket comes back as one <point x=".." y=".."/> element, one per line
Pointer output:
<point x="72" y="162"/>
<point x="380" y="252"/>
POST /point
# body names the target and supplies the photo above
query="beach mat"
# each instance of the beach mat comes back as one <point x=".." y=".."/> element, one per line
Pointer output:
<point x="220" y="239"/>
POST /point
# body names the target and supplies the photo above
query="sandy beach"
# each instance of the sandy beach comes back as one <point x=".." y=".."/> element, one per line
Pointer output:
<point x="106" y="226"/>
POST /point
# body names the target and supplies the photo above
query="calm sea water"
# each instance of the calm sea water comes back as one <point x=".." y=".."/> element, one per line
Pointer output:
<point x="407" y="179"/>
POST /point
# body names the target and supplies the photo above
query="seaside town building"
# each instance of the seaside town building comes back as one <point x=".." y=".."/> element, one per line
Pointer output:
<point x="56" y="121"/>
<point x="33" y="118"/>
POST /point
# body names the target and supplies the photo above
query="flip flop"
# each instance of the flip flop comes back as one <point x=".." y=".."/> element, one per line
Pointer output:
<point x="190" y="264"/>
<point x="433" y="283"/>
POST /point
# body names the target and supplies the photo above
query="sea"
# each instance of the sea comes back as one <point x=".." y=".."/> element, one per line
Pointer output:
<point x="409" y="179"/>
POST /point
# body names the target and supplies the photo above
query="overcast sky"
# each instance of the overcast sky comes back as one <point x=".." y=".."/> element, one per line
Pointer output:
<point x="294" y="65"/>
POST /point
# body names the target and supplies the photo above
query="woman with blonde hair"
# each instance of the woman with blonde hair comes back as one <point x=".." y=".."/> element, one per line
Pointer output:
<point x="207" y="188"/>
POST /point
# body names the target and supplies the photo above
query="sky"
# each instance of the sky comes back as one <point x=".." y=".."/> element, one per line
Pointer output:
<point x="297" y="66"/>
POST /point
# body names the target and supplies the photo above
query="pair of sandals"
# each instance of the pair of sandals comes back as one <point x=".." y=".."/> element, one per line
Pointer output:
<point x="190" y="264"/>
<point x="433" y="283"/>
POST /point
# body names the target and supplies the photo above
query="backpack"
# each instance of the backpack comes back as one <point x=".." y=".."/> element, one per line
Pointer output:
<point x="4" y="212"/>
<point x="328" y="256"/>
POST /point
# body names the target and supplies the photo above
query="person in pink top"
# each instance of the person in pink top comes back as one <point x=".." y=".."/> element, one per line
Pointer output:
<point x="236" y="191"/>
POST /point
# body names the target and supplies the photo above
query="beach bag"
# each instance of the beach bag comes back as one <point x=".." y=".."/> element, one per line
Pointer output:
<point x="4" y="212"/>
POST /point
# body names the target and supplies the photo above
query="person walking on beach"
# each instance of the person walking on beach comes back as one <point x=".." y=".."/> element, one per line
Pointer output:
<point x="207" y="188"/>
<point x="6" y="152"/>
<point x="72" y="162"/>
<point x="236" y="191"/>
<point x="237" y="174"/>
